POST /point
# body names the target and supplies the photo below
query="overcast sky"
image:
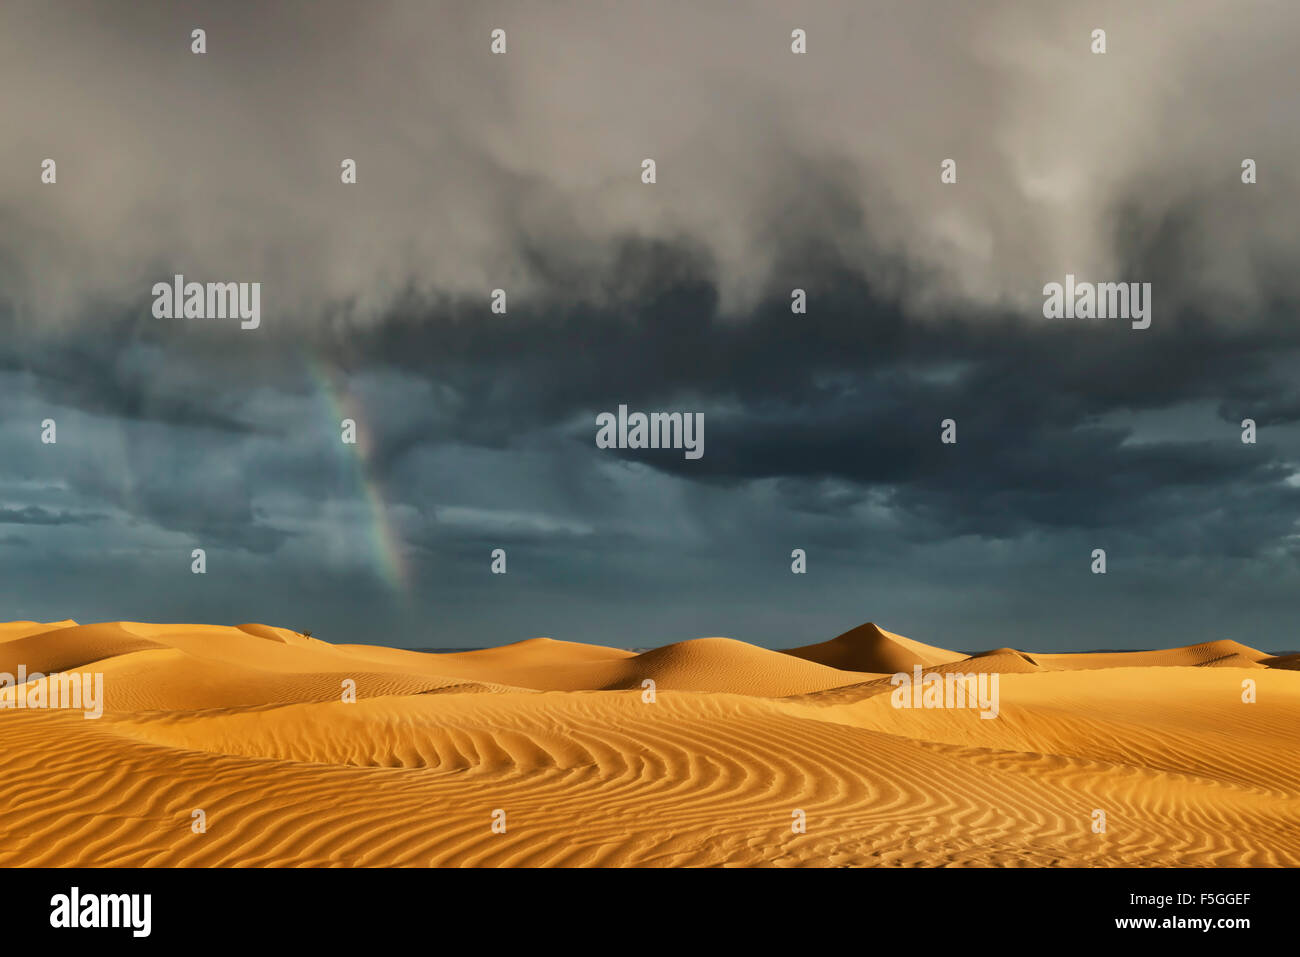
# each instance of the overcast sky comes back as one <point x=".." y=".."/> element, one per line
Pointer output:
<point x="775" y="171"/>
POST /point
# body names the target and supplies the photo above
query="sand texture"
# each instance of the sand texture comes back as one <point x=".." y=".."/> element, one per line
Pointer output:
<point x="249" y="725"/>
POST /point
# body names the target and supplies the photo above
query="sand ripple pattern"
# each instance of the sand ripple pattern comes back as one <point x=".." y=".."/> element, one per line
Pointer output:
<point x="247" y="725"/>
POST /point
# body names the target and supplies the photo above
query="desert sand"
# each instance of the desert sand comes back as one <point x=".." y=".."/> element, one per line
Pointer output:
<point x="248" y="724"/>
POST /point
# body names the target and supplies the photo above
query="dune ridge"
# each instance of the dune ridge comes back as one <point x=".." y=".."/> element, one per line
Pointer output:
<point x="699" y="752"/>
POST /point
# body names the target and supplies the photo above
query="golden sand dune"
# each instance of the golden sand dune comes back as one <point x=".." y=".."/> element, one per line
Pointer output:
<point x="721" y="664"/>
<point x="69" y="648"/>
<point x="538" y="663"/>
<point x="703" y="664"/>
<point x="1289" y="662"/>
<point x="1212" y="653"/>
<point x="20" y="629"/>
<point x="248" y="724"/>
<point x="870" y="648"/>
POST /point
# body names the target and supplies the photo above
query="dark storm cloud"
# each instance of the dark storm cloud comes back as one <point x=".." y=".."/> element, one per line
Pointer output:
<point x="855" y="393"/>
<point x="80" y="377"/>
<point x="33" y="515"/>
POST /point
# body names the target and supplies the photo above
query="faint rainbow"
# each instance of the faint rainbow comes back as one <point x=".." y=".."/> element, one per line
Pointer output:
<point x="385" y="544"/>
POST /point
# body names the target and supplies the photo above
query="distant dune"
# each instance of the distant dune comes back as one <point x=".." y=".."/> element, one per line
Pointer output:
<point x="870" y="648"/>
<point x="700" y="752"/>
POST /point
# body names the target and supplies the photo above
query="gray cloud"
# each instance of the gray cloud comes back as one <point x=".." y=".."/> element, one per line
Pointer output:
<point x="775" y="171"/>
<point x="34" y="515"/>
<point x="479" y="171"/>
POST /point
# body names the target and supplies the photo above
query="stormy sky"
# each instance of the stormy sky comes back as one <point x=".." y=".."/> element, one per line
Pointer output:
<point x="775" y="171"/>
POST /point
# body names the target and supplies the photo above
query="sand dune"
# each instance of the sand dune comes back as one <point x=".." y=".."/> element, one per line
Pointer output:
<point x="1223" y="653"/>
<point x="870" y="648"/>
<point x="249" y="724"/>
<point x="702" y="664"/>
<point x="70" y="648"/>
<point x="20" y="629"/>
